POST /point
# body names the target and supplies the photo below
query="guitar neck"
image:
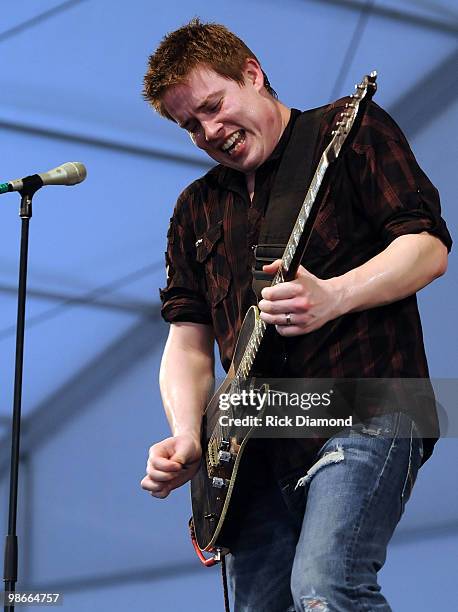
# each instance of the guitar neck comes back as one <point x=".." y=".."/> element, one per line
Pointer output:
<point x="349" y="122"/>
<point x="350" y="119"/>
<point x="302" y="229"/>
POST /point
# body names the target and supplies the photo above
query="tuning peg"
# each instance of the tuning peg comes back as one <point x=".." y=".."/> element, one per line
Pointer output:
<point x="349" y="104"/>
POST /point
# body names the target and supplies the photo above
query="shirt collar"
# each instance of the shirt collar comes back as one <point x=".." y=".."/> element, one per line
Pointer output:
<point x="284" y="139"/>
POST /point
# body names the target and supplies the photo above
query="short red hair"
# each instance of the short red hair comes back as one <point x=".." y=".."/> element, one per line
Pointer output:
<point x="195" y="43"/>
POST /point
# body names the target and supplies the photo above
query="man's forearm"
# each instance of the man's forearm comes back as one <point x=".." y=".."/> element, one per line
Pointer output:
<point x="186" y="377"/>
<point x="409" y="263"/>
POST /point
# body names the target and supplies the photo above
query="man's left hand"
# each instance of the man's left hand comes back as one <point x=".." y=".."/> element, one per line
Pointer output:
<point x="299" y="306"/>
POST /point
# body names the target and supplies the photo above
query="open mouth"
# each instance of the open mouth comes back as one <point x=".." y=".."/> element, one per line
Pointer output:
<point x="234" y="142"/>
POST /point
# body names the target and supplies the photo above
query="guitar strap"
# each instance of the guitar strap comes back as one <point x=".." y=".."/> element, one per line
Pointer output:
<point x="287" y="195"/>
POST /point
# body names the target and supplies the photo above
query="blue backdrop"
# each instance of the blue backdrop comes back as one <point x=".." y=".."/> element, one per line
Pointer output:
<point x="71" y="90"/>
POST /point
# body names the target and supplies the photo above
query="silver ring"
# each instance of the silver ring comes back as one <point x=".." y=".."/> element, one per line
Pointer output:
<point x="288" y="318"/>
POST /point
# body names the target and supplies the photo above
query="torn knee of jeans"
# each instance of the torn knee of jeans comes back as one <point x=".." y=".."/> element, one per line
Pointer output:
<point x="314" y="604"/>
<point x="371" y="431"/>
<point x="331" y="457"/>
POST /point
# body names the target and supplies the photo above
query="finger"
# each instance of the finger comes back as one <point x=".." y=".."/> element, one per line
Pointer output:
<point x="164" y="465"/>
<point x="152" y="486"/>
<point x="179" y="457"/>
<point x="295" y="306"/>
<point x="185" y="476"/>
<point x="160" y="494"/>
<point x="158" y="476"/>
<point x="273" y="267"/>
<point x="282" y="291"/>
<point x="280" y="319"/>
<point x="165" y="448"/>
<point x="189" y="464"/>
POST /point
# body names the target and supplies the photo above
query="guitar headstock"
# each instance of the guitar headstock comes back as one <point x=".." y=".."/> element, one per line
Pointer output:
<point x="363" y="93"/>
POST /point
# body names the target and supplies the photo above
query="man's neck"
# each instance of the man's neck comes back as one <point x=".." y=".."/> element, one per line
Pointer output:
<point x="250" y="178"/>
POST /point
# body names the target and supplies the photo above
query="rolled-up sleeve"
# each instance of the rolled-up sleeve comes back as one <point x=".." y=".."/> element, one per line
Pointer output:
<point x="396" y="195"/>
<point x="183" y="298"/>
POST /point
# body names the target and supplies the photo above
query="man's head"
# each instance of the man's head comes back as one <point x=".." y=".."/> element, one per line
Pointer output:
<point x="208" y="81"/>
<point x="195" y="43"/>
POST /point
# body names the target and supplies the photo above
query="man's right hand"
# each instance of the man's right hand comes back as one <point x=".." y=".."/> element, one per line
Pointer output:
<point x="171" y="463"/>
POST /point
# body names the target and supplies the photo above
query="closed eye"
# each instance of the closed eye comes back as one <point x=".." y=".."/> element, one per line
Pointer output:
<point x="216" y="107"/>
<point x="194" y="128"/>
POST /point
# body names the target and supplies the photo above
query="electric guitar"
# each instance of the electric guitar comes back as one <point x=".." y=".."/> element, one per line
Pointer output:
<point x="223" y="446"/>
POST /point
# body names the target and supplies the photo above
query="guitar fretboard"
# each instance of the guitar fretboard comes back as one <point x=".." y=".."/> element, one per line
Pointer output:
<point x="347" y="118"/>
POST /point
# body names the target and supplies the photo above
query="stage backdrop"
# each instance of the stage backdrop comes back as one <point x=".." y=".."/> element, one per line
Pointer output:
<point x="71" y="90"/>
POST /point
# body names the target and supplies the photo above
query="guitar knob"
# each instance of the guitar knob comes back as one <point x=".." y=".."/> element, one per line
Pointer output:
<point x="224" y="445"/>
<point x="219" y="483"/>
<point x="224" y="456"/>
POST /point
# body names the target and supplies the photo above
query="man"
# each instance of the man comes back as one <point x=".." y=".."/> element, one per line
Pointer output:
<point x="350" y="312"/>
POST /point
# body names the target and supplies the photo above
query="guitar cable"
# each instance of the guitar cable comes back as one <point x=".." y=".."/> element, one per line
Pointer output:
<point x="218" y="558"/>
<point x="224" y="578"/>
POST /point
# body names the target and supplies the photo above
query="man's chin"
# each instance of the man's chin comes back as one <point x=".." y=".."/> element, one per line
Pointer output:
<point x="242" y="165"/>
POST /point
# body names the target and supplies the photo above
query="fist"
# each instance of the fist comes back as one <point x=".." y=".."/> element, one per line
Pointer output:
<point x="170" y="464"/>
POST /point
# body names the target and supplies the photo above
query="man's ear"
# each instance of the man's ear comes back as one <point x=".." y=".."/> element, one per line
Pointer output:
<point x="253" y="73"/>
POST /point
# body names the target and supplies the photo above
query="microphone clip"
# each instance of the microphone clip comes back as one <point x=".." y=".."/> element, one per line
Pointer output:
<point x="30" y="185"/>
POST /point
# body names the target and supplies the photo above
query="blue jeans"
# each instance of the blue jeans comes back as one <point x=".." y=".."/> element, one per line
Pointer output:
<point x="318" y="546"/>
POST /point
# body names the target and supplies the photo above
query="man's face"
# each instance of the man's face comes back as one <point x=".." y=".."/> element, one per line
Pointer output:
<point x="237" y="126"/>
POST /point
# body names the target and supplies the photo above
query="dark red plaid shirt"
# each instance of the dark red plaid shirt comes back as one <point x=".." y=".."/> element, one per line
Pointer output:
<point x="377" y="193"/>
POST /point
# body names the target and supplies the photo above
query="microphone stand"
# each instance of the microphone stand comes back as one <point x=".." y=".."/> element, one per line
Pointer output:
<point x="11" y="545"/>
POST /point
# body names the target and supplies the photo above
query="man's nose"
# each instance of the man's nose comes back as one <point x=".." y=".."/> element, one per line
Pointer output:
<point x="212" y="130"/>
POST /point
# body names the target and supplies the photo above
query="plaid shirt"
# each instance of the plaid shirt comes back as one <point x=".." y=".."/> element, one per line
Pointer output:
<point x="377" y="193"/>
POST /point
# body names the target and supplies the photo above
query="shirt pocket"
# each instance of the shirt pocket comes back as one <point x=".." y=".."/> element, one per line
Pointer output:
<point x="211" y="252"/>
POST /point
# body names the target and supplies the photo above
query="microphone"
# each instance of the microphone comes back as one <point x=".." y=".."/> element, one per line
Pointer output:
<point x="69" y="173"/>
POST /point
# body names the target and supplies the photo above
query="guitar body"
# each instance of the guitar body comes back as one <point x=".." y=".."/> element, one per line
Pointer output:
<point x="222" y="448"/>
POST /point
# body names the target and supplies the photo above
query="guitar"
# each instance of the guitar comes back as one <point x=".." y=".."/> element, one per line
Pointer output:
<point x="223" y="446"/>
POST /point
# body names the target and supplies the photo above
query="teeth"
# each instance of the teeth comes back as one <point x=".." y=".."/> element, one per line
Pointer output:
<point x="230" y="141"/>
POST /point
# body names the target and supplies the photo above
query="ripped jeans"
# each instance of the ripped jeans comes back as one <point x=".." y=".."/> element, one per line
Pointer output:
<point x="318" y="546"/>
